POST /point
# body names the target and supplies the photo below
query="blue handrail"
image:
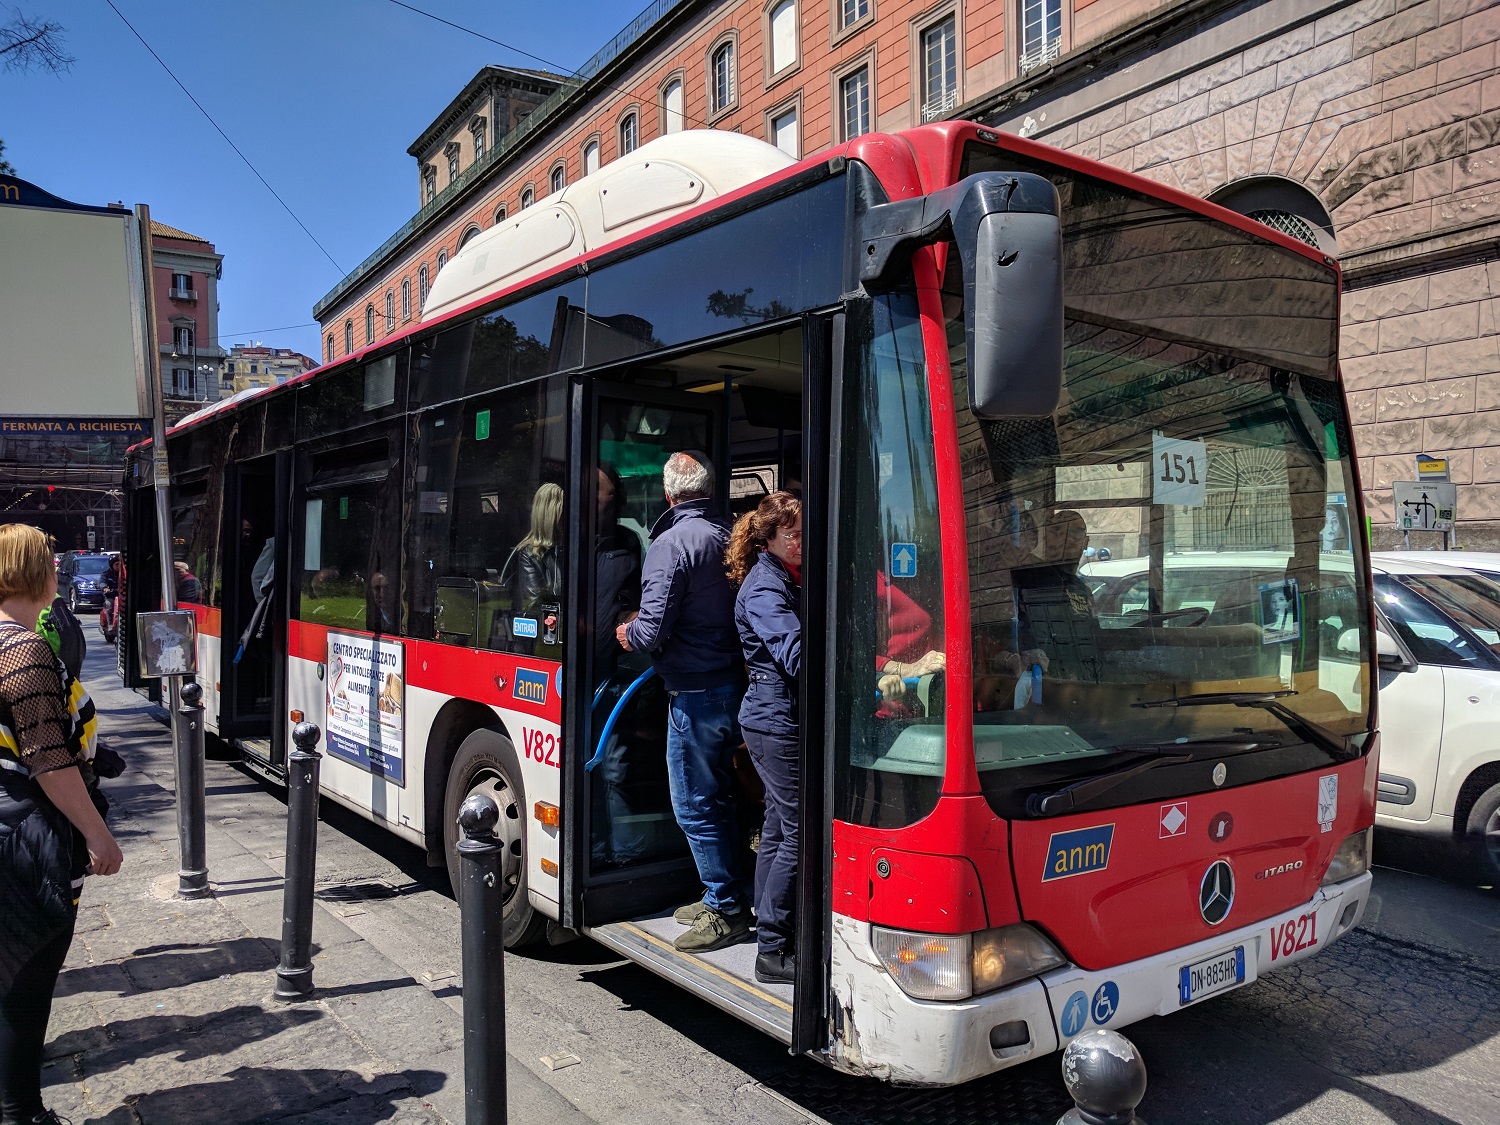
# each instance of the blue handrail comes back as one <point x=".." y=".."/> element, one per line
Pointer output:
<point x="609" y="723"/>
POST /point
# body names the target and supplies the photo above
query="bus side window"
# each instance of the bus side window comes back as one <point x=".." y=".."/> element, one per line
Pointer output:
<point x="488" y="508"/>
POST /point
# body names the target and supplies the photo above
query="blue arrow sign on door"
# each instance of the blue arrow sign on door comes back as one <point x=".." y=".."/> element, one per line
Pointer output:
<point x="903" y="560"/>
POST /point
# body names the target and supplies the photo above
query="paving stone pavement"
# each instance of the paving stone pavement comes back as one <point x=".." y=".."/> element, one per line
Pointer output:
<point x="163" y="1012"/>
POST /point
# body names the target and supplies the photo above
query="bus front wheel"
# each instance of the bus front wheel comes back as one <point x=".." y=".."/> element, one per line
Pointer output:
<point x="486" y="763"/>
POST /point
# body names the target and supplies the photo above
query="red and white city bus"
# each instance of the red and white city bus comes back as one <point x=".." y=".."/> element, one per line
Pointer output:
<point x="980" y="360"/>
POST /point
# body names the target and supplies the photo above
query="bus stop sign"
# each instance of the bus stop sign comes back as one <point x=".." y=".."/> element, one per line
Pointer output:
<point x="1425" y="506"/>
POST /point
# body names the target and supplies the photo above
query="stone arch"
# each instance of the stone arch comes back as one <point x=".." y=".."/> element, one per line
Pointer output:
<point x="1283" y="205"/>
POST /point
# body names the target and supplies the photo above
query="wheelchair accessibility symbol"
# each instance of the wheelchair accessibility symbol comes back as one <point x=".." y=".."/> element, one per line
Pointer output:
<point x="1106" y="1002"/>
<point x="1075" y="1014"/>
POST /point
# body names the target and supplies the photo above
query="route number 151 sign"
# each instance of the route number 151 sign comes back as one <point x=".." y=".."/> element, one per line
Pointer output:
<point x="1179" y="471"/>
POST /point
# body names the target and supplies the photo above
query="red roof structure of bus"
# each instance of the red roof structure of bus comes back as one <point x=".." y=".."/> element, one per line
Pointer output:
<point x="935" y="149"/>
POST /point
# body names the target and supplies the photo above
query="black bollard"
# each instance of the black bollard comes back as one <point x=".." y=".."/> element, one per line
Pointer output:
<point x="1106" y="1078"/>
<point x="481" y="895"/>
<point x="192" y="872"/>
<point x="294" y="977"/>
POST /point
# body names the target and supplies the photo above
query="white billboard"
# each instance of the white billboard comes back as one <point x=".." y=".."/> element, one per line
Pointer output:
<point x="72" y="327"/>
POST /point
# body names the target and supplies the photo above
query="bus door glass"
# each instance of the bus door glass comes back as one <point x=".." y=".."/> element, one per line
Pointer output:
<point x="619" y="720"/>
<point x="252" y="602"/>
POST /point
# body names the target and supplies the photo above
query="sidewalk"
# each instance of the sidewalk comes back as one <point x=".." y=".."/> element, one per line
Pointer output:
<point x="163" y="1012"/>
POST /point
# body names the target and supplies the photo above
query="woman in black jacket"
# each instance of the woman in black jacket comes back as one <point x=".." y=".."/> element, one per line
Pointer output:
<point x="765" y="559"/>
<point x="50" y="831"/>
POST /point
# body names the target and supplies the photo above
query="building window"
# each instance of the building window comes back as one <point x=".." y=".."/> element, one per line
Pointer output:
<point x="591" y="158"/>
<point x="429" y="183"/>
<point x="348" y="336"/>
<point x="854" y="103"/>
<point x="390" y="311"/>
<point x="405" y="298"/>
<point x="369" y="324"/>
<point x="784" y="133"/>
<point x="559" y="178"/>
<point x="852" y="11"/>
<point x="939" y="68"/>
<point x="528" y="197"/>
<point x="500" y="214"/>
<point x="442" y="258"/>
<point x="783" y="35"/>
<point x="422" y="287"/>
<point x="182" y="287"/>
<point x="468" y="235"/>
<point x="1041" y="33"/>
<point x="671" y="107"/>
<point x="255" y="369"/>
<point x="182" y="340"/>
<point x="477" y="128"/>
<point x="182" y="382"/>
<point x="630" y="133"/>
<point x="721" y="75"/>
<point x="451" y="152"/>
<point x="330" y="349"/>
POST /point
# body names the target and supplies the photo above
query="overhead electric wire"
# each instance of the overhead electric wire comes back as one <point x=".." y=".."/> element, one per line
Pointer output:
<point x="227" y="140"/>
<point x="266" y="331"/>
<point x="536" y="58"/>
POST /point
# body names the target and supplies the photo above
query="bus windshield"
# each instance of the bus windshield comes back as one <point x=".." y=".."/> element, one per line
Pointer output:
<point x="1170" y="557"/>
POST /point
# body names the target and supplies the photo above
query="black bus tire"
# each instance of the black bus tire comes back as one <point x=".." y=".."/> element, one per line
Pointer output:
<point x="486" y="762"/>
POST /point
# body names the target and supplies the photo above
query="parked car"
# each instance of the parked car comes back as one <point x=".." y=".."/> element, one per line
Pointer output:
<point x="1438" y="650"/>
<point x="1486" y="563"/>
<point x="80" y="579"/>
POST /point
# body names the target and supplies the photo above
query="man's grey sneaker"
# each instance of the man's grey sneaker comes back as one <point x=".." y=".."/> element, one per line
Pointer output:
<point x="712" y="930"/>
<point x="686" y="915"/>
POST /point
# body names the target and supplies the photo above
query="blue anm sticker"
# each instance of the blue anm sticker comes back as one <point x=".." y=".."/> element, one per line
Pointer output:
<point x="1078" y="852"/>
<point x="530" y="685"/>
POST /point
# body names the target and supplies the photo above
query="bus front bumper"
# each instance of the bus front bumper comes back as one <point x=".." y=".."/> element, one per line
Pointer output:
<point x="880" y="1031"/>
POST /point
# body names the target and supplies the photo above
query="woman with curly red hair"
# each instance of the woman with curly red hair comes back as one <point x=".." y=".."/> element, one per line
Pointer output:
<point x="764" y="559"/>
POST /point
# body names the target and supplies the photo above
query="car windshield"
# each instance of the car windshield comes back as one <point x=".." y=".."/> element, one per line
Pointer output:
<point x="1213" y="462"/>
<point x="1454" y="619"/>
<point x="92" y="564"/>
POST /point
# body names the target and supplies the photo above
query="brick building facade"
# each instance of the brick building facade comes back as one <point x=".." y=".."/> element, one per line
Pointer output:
<point x="1369" y="127"/>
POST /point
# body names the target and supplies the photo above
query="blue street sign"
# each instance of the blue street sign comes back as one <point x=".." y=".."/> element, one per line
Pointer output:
<point x="903" y="560"/>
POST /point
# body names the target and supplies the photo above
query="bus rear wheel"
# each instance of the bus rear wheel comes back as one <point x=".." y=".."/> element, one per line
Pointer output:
<point x="486" y="763"/>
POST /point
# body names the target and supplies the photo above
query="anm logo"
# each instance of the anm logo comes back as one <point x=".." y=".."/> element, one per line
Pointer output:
<point x="530" y="685"/>
<point x="1078" y="852"/>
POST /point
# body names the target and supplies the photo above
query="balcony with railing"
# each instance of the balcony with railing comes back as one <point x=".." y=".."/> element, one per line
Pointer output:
<point x="940" y="106"/>
<point x="182" y="294"/>
<point x="1040" y="55"/>
<point x="504" y="146"/>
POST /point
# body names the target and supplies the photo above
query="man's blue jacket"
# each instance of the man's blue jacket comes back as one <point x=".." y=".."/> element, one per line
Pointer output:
<point x="686" y="621"/>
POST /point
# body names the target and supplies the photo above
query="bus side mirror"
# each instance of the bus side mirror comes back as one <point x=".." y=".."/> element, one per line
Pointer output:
<point x="1010" y="237"/>
<point x="1009" y="234"/>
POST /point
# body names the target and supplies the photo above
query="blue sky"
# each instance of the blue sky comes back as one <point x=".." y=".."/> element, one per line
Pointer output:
<point x="323" y="96"/>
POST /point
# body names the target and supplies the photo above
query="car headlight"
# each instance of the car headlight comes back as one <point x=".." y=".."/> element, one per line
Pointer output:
<point x="1352" y="858"/>
<point x="957" y="966"/>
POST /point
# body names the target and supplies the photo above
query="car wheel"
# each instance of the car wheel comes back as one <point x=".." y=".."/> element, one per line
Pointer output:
<point x="1484" y="834"/>
<point x="486" y="763"/>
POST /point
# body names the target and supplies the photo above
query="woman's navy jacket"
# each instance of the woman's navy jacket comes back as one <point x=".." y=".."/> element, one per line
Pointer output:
<point x="768" y="614"/>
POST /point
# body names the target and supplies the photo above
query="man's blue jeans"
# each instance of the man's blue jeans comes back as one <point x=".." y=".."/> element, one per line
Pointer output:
<point x="702" y="732"/>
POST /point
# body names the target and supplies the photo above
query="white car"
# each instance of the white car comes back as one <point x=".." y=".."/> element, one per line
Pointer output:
<point x="1439" y="668"/>
<point x="1486" y="563"/>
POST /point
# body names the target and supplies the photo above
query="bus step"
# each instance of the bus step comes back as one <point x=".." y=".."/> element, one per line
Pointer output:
<point x="725" y="977"/>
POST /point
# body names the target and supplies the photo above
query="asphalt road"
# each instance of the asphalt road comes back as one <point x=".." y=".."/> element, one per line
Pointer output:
<point x="1398" y="1022"/>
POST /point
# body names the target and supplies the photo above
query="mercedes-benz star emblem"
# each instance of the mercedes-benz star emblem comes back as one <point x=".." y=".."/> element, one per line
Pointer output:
<point x="1216" y="893"/>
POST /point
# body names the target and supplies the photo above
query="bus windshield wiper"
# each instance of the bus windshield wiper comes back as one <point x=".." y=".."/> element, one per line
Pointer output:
<point x="1337" y="745"/>
<point x="1078" y="793"/>
<point x="1219" y="698"/>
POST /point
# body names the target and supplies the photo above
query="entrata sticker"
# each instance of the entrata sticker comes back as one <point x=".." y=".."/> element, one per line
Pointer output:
<point x="1174" y="820"/>
<point x="1220" y="827"/>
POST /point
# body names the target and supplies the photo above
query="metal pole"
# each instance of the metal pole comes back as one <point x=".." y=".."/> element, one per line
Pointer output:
<point x="192" y="874"/>
<point x="481" y="899"/>
<point x="294" y="977"/>
<point x="1106" y="1078"/>
<point x="187" y="794"/>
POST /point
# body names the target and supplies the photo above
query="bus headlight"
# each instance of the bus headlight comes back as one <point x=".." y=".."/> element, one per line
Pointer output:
<point x="957" y="966"/>
<point x="1352" y="858"/>
<point x="1011" y="953"/>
